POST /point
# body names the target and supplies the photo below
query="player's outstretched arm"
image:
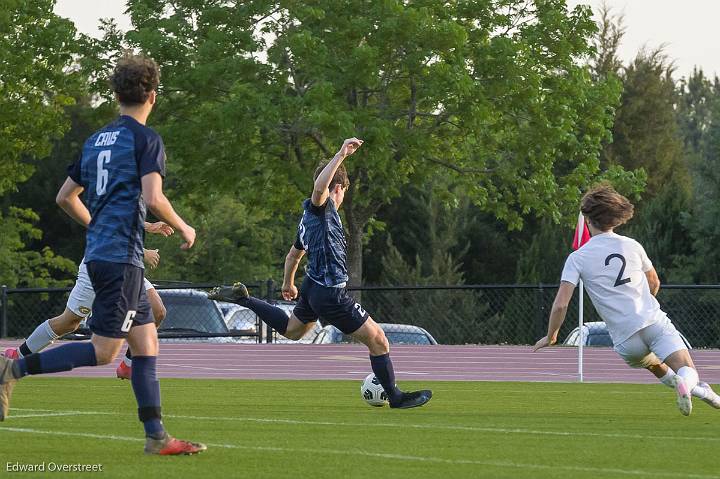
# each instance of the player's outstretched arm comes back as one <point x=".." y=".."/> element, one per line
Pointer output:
<point x="292" y="260"/>
<point x="68" y="198"/>
<point x="322" y="182"/>
<point x="557" y="315"/>
<point x="160" y="206"/>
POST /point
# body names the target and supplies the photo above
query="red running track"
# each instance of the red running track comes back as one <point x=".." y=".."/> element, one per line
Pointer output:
<point x="444" y="363"/>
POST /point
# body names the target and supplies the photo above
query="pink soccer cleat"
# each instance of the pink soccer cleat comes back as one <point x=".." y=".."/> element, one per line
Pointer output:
<point x="684" y="399"/>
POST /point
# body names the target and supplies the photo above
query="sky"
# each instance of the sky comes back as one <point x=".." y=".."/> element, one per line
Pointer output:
<point x="685" y="28"/>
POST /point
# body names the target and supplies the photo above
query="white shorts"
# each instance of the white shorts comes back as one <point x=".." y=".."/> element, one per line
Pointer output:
<point x="82" y="295"/>
<point x="651" y="345"/>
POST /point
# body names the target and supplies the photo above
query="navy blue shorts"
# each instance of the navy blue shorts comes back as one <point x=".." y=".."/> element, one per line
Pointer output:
<point x="333" y="305"/>
<point x="120" y="299"/>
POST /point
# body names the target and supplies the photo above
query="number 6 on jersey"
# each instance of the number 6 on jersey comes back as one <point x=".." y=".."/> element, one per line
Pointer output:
<point x="102" y="173"/>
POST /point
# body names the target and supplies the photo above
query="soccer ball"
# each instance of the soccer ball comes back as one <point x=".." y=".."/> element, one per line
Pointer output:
<point x="372" y="392"/>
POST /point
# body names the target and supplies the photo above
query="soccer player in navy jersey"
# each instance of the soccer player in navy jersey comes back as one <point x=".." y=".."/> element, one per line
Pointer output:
<point x="121" y="171"/>
<point x="323" y="294"/>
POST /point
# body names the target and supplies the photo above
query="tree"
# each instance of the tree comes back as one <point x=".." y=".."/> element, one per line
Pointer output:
<point x="35" y="54"/>
<point x="696" y="96"/>
<point x="703" y="222"/>
<point x="645" y="132"/>
<point x="493" y="94"/>
<point x="234" y="241"/>
<point x="36" y="84"/>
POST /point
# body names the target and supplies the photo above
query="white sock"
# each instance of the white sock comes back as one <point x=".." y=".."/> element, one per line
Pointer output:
<point x="667" y="380"/>
<point x="700" y="392"/>
<point x="127" y="361"/>
<point x="42" y="337"/>
<point x="689" y="375"/>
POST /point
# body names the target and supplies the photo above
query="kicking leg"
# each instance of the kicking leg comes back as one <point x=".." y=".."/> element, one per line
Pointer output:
<point x="371" y="335"/>
<point x="271" y="315"/>
<point x="296" y="329"/>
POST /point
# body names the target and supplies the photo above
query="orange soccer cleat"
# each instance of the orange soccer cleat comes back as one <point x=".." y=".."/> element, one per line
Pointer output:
<point x="123" y="371"/>
<point x="169" y="446"/>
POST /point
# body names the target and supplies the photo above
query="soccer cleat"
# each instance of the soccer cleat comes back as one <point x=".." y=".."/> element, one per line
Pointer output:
<point x="11" y="353"/>
<point x="711" y="397"/>
<point x="413" y="399"/>
<point x="123" y="371"/>
<point x="684" y="399"/>
<point x="230" y="294"/>
<point x="7" y="383"/>
<point x="169" y="446"/>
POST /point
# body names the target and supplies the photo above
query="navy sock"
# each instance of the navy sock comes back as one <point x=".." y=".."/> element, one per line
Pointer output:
<point x="62" y="358"/>
<point x="128" y="354"/>
<point x="383" y="368"/>
<point x="273" y="316"/>
<point x="147" y="393"/>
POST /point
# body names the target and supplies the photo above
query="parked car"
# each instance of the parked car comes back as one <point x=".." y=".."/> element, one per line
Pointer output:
<point x="395" y="333"/>
<point x="595" y="333"/>
<point x="190" y="312"/>
<point x="236" y="316"/>
<point x="240" y="317"/>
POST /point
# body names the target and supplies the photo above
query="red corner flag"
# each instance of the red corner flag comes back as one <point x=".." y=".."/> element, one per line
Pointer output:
<point x="582" y="234"/>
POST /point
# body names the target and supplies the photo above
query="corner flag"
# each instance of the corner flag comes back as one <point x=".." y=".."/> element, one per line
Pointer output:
<point x="582" y="234"/>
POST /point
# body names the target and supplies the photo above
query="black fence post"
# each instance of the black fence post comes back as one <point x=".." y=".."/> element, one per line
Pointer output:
<point x="270" y="296"/>
<point x="3" y="312"/>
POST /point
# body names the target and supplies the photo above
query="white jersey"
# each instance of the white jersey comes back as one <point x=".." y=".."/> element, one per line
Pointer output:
<point x="613" y="268"/>
<point x="82" y="295"/>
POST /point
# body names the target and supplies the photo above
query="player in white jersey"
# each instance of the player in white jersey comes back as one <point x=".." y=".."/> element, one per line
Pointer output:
<point x="622" y="284"/>
<point x="79" y="308"/>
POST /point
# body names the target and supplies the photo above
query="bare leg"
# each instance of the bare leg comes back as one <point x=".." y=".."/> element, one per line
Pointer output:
<point x="159" y="313"/>
<point x="296" y="329"/>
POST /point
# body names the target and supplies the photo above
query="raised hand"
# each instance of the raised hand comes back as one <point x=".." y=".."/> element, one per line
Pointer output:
<point x="350" y="146"/>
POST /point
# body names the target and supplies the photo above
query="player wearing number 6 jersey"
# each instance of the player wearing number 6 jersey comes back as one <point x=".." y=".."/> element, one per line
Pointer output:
<point x="120" y="170"/>
<point x="323" y="294"/>
<point x="622" y="284"/>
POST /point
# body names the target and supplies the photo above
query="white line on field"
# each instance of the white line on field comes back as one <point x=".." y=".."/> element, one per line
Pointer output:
<point x="395" y="425"/>
<point x="448" y="428"/>
<point x="379" y="455"/>
<point x="53" y="414"/>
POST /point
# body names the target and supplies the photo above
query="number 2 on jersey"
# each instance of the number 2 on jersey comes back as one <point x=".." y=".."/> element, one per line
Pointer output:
<point x="619" y="281"/>
<point x="102" y="173"/>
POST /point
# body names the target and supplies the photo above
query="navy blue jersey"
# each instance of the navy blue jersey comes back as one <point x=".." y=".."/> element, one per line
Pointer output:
<point x="113" y="161"/>
<point x="320" y="234"/>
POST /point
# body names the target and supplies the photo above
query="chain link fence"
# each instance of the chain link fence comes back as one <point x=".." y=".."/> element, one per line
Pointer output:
<point x="190" y="315"/>
<point x="484" y="314"/>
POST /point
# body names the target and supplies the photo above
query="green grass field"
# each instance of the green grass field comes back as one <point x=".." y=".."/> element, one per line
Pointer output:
<point x="322" y="429"/>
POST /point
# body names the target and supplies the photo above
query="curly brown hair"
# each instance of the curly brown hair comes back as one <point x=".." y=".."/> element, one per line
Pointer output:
<point x="605" y="208"/>
<point x="341" y="175"/>
<point x="134" y="77"/>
